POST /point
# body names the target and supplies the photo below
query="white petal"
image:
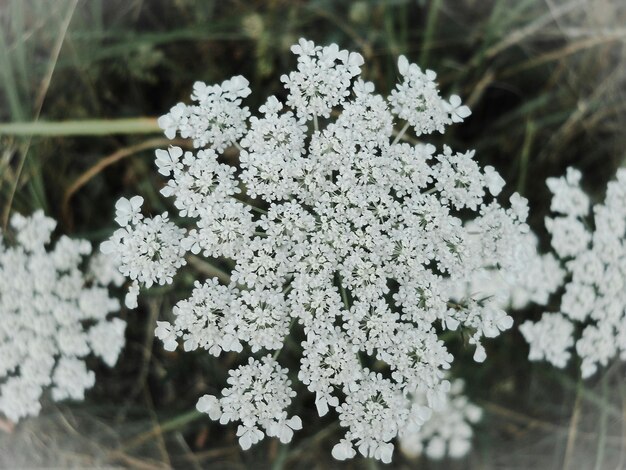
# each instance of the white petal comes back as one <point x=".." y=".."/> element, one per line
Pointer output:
<point x="480" y="354"/>
<point x="386" y="452"/>
<point x="295" y="422"/>
<point x="131" y="300"/>
<point x="403" y="65"/>
<point x="322" y="406"/>
<point x="464" y="111"/>
<point x="245" y="441"/>
<point x="136" y="202"/>
<point x="355" y="59"/>
<point x="108" y="247"/>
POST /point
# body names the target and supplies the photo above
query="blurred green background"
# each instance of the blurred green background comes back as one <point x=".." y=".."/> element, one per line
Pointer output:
<point x="81" y="85"/>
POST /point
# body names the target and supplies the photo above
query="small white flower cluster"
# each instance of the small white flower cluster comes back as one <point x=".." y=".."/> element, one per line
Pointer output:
<point x="417" y="101"/>
<point x="447" y="431"/>
<point x="52" y="315"/>
<point x="258" y="394"/>
<point x="217" y="120"/>
<point x="147" y="250"/>
<point x="515" y="289"/>
<point x="595" y="295"/>
<point x="322" y="80"/>
<point x="353" y="237"/>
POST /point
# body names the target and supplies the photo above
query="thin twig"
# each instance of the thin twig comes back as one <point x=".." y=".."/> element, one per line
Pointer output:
<point x="209" y="269"/>
<point x="522" y="33"/>
<point x="174" y="423"/>
<point x="573" y="429"/>
<point x="190" y="456"/>
<point x="400" y="134"/>
<point x="563" y="52"/>
<point x="116" y="156"/>
<point x="134" y="462"/>
<point x="213" y="453"/>
<point x="158" y="432"/>
<point x="153" y="308"/>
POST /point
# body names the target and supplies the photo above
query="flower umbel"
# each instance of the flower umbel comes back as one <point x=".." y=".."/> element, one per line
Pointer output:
<point x="595" y="296"/>
<point x="52" y="315"/>
<point x="445" y="432"/>
<point x="335" y="227"/>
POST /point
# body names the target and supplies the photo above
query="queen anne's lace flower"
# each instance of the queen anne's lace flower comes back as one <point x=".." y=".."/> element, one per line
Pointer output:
<point x="339" y="229"/>
<point x="595" y="296"/>
<point x="52" y="316"/>
<point x="445" y="432"/>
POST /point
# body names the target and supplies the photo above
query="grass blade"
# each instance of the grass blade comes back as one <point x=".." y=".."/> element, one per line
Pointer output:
<point x="145" y="125"/>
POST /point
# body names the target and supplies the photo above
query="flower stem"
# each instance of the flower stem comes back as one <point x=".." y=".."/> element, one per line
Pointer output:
<point x="276" y="353"/>
<point x="208" y="269"/>
<point x="344" y="294"/>
<point x="400" y="134"/>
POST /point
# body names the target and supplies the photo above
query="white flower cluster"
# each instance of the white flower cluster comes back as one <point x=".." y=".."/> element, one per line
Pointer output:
<point x="217" y="119"/>
<point x="332" y="227"/>
<point x="447" y="432"/>
<point x="258" y="394"/>
<point x="515" y="289"/>
<point x="52" y="315"/>
<point x="322" y="80"/>
<point x="595" y="294"/>
<point x="146" y="250"/>
<point x="417" y="101"/>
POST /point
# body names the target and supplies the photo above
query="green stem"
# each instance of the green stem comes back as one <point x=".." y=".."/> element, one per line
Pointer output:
<point x="142" y="125"/>
<point x="174" y="423"/>
<point x="603" y="423"/>
<point x="208" y="269"/>
<point x="344" y="294"/>
<point x="431" y="22"/>
<point x="280" y="459"/>
<point x="400" y="134"/>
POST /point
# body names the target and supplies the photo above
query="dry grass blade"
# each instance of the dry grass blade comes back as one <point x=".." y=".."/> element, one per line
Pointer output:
<point x="532" y="423"/>
<point x="568" y="50"/>
<point x="207" y="268"/>
<point x="170" y="425"/>
<point x="486" y="80"/>
<point x="573" y="431"/>
<point x="622" y="450"/>
<point x="189" y="455"/>
<point x="520" y="34"/>
<point x="158" y="431"/>
<point x="103" y="163"/>
<point x="576" y="119"/>
<point x="146" y="357"/>
<point x="363" y="43"/>
<point x="529" y="421"/>
<point x="215" y="453"/>
<point x="43" y="89"/>
<point x="134" y="462"/>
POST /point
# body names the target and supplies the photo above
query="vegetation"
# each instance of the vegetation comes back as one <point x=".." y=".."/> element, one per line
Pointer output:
<point x="82" y="83"/>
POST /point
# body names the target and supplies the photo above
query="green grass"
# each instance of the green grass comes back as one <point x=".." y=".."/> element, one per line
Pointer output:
<point x="88" y="127"/>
